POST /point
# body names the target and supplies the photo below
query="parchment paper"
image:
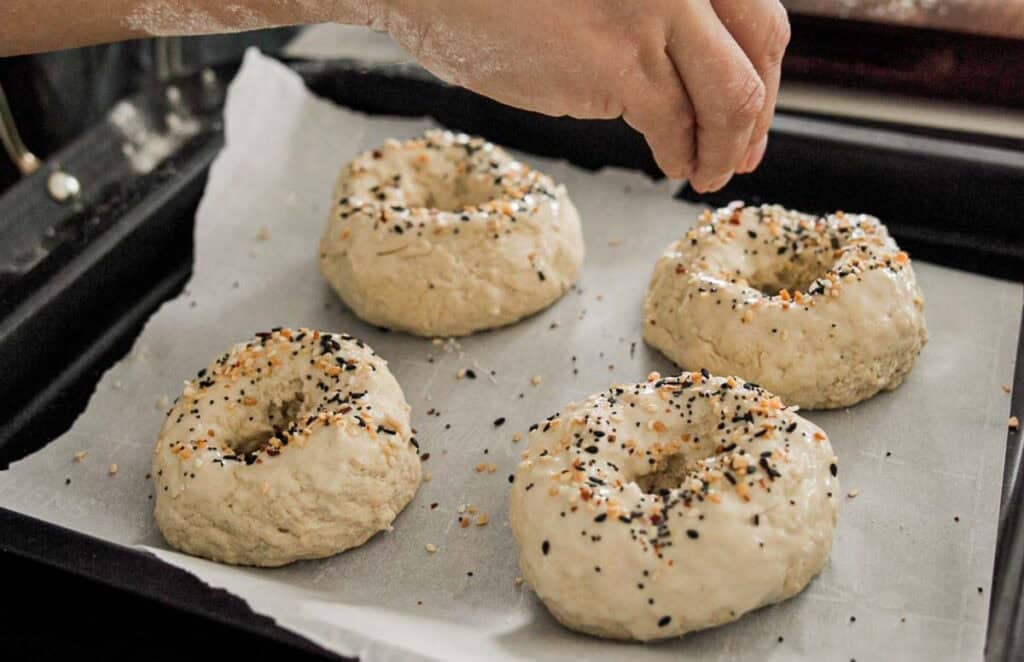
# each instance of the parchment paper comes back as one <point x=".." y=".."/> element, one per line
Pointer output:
<point x="920" y="457"/>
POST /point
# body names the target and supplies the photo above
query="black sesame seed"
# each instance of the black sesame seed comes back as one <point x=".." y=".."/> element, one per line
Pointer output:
<point x="545" y="547"/>
<point x="664" y="620"/>
<point x="498" y="422"/>
<point x="692" y="533"/>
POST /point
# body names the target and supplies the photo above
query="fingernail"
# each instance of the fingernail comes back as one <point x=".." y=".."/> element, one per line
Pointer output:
<point x="720" y="182"/>
<point x="679" y="172"/>
<point x="754" y="156"/>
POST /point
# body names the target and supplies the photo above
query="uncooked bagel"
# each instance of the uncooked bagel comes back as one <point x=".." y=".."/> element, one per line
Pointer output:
<point x="655" y="509"/>
<point x="824" y="311"/>
<point x="446" y="235"/>
<point x="295" y="445"/>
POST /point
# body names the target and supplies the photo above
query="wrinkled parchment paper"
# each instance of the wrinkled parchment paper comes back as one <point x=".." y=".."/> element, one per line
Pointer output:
<point x="902" y="565"/>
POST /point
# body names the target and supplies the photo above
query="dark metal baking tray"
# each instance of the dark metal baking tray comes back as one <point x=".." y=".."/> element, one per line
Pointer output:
<point x="950" y="198"/>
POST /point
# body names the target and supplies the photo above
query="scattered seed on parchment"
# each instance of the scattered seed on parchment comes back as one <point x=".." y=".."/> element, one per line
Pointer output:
<point x="79" y="456"/>
<point x="853" y="493"/>
<point x="615" y="242"/>
<point x="112" y="470"/>
<point x="263" y="234"/>
<point x="431" y="547"/>
<point x="535" y="380"/>
<point x="1014" y="423"/>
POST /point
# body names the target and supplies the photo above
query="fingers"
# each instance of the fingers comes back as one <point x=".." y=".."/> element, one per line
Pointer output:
<point x="761" y="28"/>
<point x="661" y="110"/>
<point x="726" y="91"/>
<point x="754" y="156"/>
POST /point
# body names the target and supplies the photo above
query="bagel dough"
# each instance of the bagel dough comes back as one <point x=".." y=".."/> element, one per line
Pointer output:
<point x="824" y="311"/>
<point x="294" y="445"/>
<point x="446" y="235"/>
<point x="656" y="509"/>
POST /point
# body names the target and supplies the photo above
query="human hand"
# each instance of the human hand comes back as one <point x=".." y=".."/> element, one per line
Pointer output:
<point x="699" y="78"/>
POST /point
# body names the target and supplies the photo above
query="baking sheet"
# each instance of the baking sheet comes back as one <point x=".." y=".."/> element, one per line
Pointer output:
<point x="913" y="548"/>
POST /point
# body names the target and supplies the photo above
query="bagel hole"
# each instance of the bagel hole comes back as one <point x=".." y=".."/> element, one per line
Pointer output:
<point x="279" y="416"/>
<point x="449" y="190"/>
<point x="668" y="474"/>
<point x="796" y="274"/>
<point x="284" y="414"/>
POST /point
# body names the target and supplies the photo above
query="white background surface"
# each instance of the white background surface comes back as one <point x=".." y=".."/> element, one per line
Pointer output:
<point x="901" y="565"/>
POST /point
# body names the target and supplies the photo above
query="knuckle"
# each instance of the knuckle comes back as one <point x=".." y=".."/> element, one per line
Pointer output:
<point x="779" y="34"/>
<point x="744" y="103"/>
